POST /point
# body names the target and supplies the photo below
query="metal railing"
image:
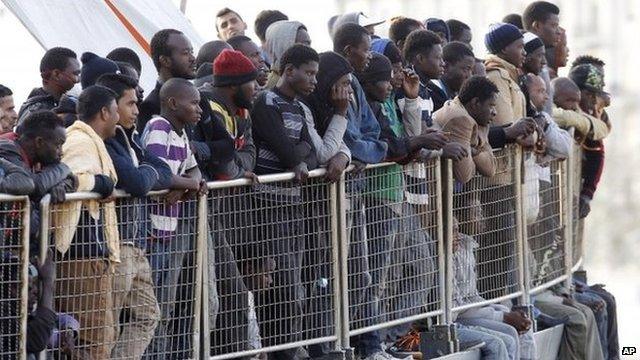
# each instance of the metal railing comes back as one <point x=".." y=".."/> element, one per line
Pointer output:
<point x="272" y="267"/>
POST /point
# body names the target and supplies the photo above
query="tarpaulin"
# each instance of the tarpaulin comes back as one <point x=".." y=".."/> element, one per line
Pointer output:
<point x="100" y="26"/>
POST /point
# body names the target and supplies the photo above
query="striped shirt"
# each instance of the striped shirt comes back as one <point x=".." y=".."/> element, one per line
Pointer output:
<point x="160" y="139"/>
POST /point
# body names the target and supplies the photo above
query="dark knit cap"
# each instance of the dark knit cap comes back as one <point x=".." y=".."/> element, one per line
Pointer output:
<point x="438" y="26"/>
<point x="231" y="67"/>
<point x="94" y="66"/>
<point x="204" y="74"/>
<point x="379" y="69"/>
<point x="387" y="48"/>
<point x="587" y="77"/>
<point x="332" y="66"/>
<point x="532" y="42"/>
<point x="500" y="36"/>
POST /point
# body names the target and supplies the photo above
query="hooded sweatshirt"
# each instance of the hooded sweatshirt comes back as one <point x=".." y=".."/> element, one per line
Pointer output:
<point x="280" y="36"/>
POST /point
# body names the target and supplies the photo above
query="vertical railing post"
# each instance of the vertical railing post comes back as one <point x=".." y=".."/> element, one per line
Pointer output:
<point x="45" y="221"/>
<point x="343" y="252"/>
<point x="200" y="349"/>
<point x="445" y="245"/>
<point x="524" y="274"/>
<point x="336" y="255"/>
<point x="568" y="217"/>
<point x="24" y="278"/>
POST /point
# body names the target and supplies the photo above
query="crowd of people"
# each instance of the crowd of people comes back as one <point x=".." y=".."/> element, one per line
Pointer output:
<point x="239" y="109"/>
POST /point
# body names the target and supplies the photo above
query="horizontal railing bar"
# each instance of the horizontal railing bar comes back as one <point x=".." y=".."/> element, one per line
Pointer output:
<point x="487" y="302"/>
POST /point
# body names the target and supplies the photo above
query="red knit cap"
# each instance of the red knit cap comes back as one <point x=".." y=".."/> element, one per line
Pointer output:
<point x="232" y="68"/>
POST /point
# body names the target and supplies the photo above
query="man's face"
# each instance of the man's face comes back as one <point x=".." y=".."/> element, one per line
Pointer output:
<point x="9" y="109"/>
<point x="548" y="31"/>
<point x="182" y="61"/>
<point x="111" y="118"/>
<point x="128" y="108"/>
<point x="303" y="78"/>
<point x="48" y="150"/>
<point x="534" y="62"/>
<point x="379" y="91"/>
<point x="243" y="98"/>
<point x="563" y="56"/>
<point x="397" y="76"/>
<point x="567" y="100"/>
<point x="359" y="56"/>
<point x="514" y="53"/>
<point x="187" y="106"/>
<point x="344" y="82"/>
<point x="68" y="77"/>
<point x="430" y="62"/>
<point x="458" y="73"/>
<point x="302" y="37"/>
<point x="588" y="100"/>
<point x="485" y="110"/>
<point x="466" y="37"/>
<point x="230" y="25"/>
<point x="252" y="51"/>
<point x="537" y="92"/>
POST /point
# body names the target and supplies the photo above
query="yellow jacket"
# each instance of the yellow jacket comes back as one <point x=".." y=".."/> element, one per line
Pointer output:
<point x="511" y="104"/>
<point x="86" y="155"/>
<point x="454" y="118"/>
<point x="586" y="125"/>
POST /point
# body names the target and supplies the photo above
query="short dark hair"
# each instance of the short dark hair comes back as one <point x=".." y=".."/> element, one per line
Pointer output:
<point x="514" y="19"/>
<point x="348" y="34"/>
<point x="5" y="91"/>
<point x="209" y="51"/>
<point x="401" y="27"/>
<point x="127" y="55"/>
<point x="117" y="83"/>
<point x="56" y="58"/>
<point x="237" y="41"/>
<point x="585" y="59"/>
<point x="456" y="51"/>
<point x="92" y="100"/>
<point x="456" y="27"/>
<point x="266" y="18"/>
<point x="419" y="41"/>
<point x="39" y="123"/>
<point x="125" y="68"/>
<point x="538" y="11"/>
<point x="159" y="46"/>
<point x="477" y="87"/>
<point x="225" y="11"/>
<point x="297" y="55"/>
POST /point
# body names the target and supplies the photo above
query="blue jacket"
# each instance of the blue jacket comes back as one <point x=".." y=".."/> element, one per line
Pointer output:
<point x="363" y="131"/>
<point x="150" y="174"/>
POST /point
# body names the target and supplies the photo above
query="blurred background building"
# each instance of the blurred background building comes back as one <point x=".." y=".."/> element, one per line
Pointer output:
<point x="607" y="29"/>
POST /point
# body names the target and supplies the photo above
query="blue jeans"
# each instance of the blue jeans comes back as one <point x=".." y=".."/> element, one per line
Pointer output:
<point x="166" y="258"/>
<point x="498" y="346"/>
<point x="588" y="298"/>
<point x="513" y="345"/>
<point x="368" y="262"/>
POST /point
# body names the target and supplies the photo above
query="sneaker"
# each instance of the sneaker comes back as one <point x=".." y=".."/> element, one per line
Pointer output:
<point x="410" y="342"/>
